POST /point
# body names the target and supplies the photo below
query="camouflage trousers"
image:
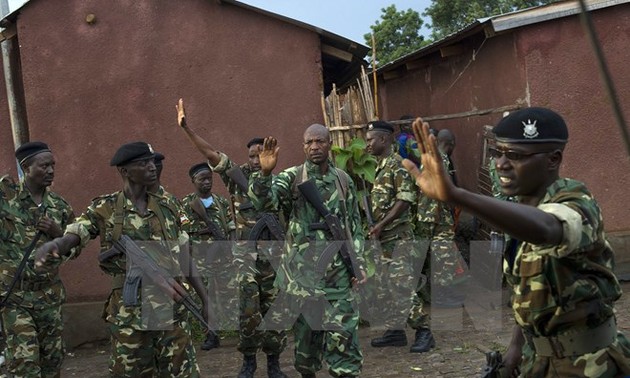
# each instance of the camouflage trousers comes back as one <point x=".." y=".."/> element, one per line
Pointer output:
<point x="257" y="293"/>
<point x="34" y="344"/>
<point x="219" y="277"/>
<point x="612" y="361"/>
<point x="446" y="267"/>
<point x="397" y="280"/>
<point x="336" y="341"/>
<point x="164" y="353"/>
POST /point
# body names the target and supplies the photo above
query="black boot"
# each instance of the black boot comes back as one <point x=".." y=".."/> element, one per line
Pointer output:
<point x="273" y="367"/>
<point x="424" y="341"/>
<point x="308" y="375"/>
<point x="249" y="367"/>
<point x="396" y="337"/>
<point x="212" y="341"/>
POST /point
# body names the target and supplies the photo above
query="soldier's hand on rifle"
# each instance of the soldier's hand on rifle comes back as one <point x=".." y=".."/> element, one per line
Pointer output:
<point x="268" y="155"/>
<point x="375" y="231"/>
<point x="434" y="181"/>
<point x="49" y="227"/>
<point x="356" y="282"/>
<point x="511" y="362"/>
<point x="44" y="252"/>
<point x="181" y="113"/>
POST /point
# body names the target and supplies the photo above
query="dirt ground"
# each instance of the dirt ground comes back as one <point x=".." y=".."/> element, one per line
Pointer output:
<point x="459" y="352"/>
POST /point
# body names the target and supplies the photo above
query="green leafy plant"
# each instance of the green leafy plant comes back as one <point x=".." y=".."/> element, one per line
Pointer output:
<point x="355" y="160"/>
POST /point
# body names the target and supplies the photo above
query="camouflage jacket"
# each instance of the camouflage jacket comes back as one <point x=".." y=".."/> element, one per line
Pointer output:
<point x="433" y="211"/>
<point x="218" y="213"/>
<point x="392" y="183"/>
<point x="163" y="193"/>
<point x="245" y="219"/>
<point x="18" y="219"/>
<point x="296" y="274"/>
<point x="570" y="285"/>
<point x="162" y="245"/>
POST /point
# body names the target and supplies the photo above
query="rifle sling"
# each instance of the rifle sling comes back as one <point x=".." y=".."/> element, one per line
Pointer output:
<point x="18" y="272"/>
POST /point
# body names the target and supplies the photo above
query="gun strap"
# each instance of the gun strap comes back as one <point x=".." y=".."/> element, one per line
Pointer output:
<point x="119" y="216"/>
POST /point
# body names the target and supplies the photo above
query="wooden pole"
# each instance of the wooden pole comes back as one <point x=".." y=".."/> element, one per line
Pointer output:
<point x="374" y="76"/>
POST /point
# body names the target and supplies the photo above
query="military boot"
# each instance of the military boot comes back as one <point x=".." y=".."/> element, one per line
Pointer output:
<point x="249" y="367"/>
<point x="309" y="375"/>
<point x="212" y="341"/>
<point x="273" y="367"/>
<point x="396" y="337"/>
<point x="424" y="341"/>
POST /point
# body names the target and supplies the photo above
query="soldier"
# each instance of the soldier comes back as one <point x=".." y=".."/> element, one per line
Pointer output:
<point x="435" y="224"/>
<point x="256" y="272"/>
<point x="31" y="312"/>
<point x="338" y="342"/>
<point x="558" y="261"/>
<point x="157" y="187"/>
<point x="214" y="266"/>
<point x="446" y="144"/>
<point x="393" y="195"/>
<point x="153" y="339"/>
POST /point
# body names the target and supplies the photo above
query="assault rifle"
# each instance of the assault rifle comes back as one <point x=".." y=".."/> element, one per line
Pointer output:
<point x="214" y="230"/>
<point x="160" y="276"/>
<point x="494" y="366"/>
<point x="236" y="174"/>
<point x="331" y="222"/>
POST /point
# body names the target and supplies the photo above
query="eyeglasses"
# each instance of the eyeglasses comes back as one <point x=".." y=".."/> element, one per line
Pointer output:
<point x="512" y="155"/>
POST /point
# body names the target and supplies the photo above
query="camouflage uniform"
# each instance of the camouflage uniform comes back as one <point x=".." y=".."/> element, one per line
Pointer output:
<point x="337" y="338"/>
<point x="435" y="225"/>
<point x="215" y="268"/>
<point x="400" y="262"/>
<point x="32" y="320"/>
<point x="153" y="339"/>
<point x="563" y="291"/>
<point x="256" y="272"/>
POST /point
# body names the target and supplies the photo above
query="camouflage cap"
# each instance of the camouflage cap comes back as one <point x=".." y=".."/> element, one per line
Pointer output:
<point x="532" y="125"/>
<point x="198" y="168"/>
<point x="30" y="149"/>
<point x="130" y="152"/>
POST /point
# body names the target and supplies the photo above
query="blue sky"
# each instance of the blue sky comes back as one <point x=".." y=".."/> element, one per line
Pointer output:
<point x="348" y="18"/>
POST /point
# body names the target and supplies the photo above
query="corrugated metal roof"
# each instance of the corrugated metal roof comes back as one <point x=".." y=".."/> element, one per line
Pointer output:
<point x="505" y="22"/>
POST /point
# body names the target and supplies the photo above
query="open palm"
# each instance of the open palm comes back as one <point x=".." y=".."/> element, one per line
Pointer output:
<point x="268" y="155"/>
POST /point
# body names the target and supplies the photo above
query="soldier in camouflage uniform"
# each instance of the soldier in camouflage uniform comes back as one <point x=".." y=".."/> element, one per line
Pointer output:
<point x="400" y="262"/>
<point x="335" y="338"/>
<point x="558" y="260"/>
<point x="213" y="263"/>
<point x="154" y="338"/>
<point x="31" y="314"/>
<point x="255" y="270"/>
<point x="157" y="187"/>
<point x="446" y="267"/>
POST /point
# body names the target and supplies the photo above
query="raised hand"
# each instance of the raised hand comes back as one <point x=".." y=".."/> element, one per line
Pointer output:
<point x="268" y="155"/>
<point x="433" y="180"/>
<point x="181" y="113"/>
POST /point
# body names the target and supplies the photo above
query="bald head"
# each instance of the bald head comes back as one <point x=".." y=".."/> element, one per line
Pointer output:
<point x="446" y="141"/>
<point x="317" y="129"/>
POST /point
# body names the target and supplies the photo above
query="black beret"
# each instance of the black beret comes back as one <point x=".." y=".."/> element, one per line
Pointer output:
<point x="255" y="141"/>
<point x="159" y="157"/>
<point x="381" y="126"/>
<point x="198" y="168"/>
<point x="532" y="125"/>
<point x="30" y="149"/>
<point x="130" y="152"/>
